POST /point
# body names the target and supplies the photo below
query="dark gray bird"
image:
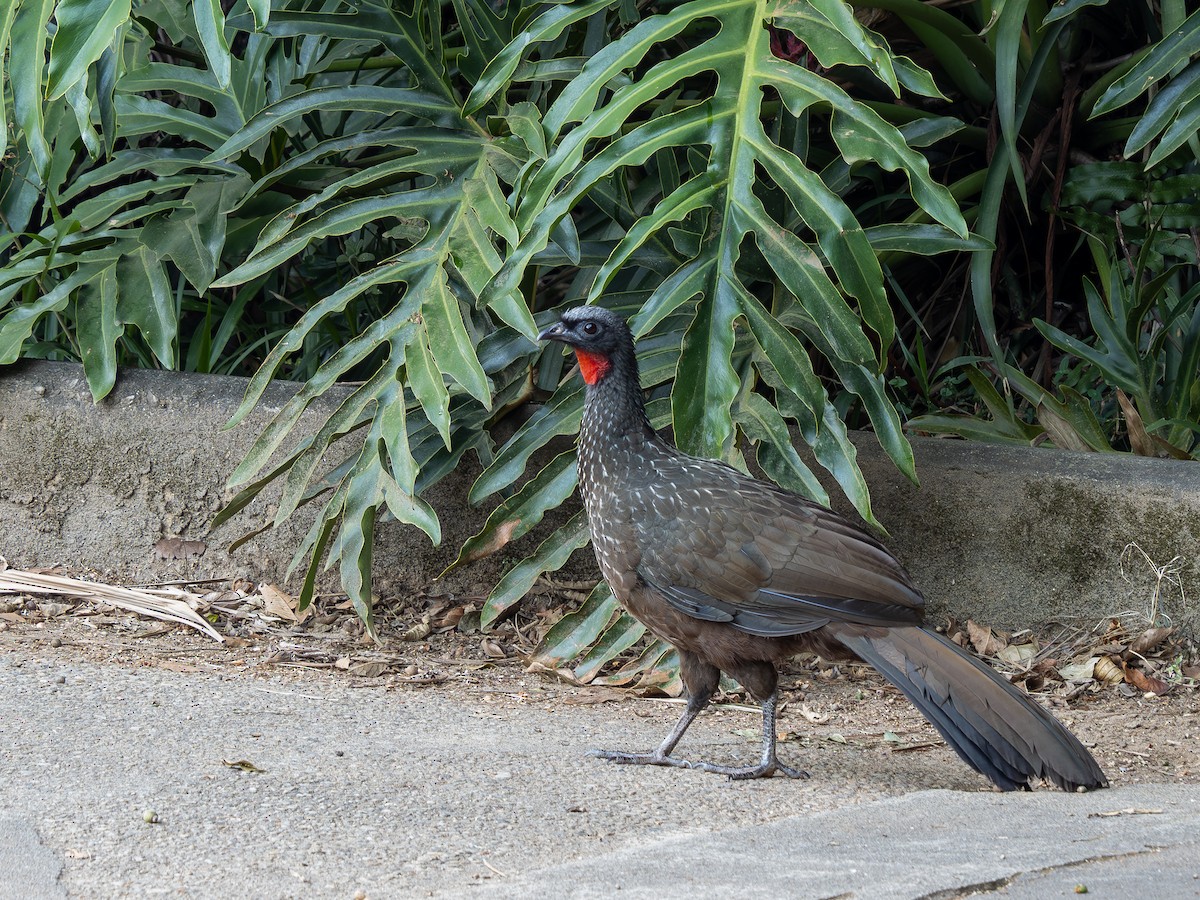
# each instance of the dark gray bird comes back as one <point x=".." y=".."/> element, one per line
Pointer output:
<point x="738" y="574"/>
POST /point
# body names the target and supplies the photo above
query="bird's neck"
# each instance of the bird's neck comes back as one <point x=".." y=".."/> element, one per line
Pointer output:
<point x="615" y="426"/>
<point x="615" y="410"/>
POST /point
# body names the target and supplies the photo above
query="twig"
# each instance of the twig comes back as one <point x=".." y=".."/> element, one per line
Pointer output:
<point x="493" y="868"/>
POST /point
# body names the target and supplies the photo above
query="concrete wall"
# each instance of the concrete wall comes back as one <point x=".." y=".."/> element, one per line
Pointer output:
<point x="1007" y="535"/>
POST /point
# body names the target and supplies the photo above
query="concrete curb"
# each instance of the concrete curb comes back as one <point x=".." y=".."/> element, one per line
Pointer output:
<point x="1007" y="535"/>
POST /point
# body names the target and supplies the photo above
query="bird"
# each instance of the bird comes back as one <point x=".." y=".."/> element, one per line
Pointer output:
<point x="739" y="575"/>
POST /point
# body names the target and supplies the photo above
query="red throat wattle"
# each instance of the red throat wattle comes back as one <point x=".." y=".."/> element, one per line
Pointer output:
<point x="593" y="366"/>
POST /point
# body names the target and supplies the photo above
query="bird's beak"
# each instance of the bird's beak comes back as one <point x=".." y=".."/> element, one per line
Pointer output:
<point x="556" y="332"/>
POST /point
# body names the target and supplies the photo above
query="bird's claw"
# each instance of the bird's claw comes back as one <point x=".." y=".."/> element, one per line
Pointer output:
<point x="761" y="771"/>
<point x="623" y="758"/>
<point x="735" y="773"/>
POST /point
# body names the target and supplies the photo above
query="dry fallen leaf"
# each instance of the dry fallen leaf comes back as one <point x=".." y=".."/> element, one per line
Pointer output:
<point x="1145" y="682"/>
<point x="1018" y="654"/>
<point x="449" y="619"/>
<point x="242" y="765"/>
<point x="369" y="669"/>
<point x="1148" y="640"/>
<point x="1107" y="671"/>
<point x="815" y="718"/>
<point x="1079" y="671"/>
<point x="171" y="604"/>
<point x="418" y="632"/>
<point x="281" y="604"/>
<point x="983" y="639"/>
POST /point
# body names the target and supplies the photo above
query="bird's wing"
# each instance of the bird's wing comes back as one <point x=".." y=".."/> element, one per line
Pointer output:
<point x="720" y="546"/>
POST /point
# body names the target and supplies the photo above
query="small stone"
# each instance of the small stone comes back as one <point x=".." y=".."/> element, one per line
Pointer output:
<point x="150" y="817"/>
<point x="56" y="642"/>
<point x="60" y="679"/>
<point x="39" y="390"/>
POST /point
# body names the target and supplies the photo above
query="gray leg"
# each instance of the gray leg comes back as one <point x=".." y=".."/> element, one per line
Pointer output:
<point x="701" y="680"/>
<point x="661" y="756"/>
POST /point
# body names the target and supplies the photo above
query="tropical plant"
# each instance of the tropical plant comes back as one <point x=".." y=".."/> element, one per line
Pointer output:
<point x="1050" y="96"/>
<point x="1050" y="193"/>
<point x="417" y="175"/>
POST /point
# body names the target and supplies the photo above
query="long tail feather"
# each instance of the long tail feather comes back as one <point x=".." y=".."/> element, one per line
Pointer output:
<point x="995" y="728"/>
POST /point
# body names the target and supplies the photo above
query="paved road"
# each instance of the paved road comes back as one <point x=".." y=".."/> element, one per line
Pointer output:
<point x="468" y="790"/>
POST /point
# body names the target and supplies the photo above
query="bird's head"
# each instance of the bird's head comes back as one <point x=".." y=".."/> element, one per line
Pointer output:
<point x="598" y="336"/>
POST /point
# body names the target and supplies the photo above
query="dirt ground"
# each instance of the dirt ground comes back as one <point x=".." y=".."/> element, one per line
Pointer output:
<point x="1137" y="735"/>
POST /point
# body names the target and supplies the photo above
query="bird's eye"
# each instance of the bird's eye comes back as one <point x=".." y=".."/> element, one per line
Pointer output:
<point x="590" y="327"/>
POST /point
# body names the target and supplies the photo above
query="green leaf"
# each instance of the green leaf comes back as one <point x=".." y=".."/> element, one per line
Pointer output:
<point x="194" y="235"/>
<point x="623" y="633"/>
<point x="428" y="385"/>
<point x="26" y="61"/>
<point x="547" y="27"/>
<point x="359" y="98"/>
<point x="706" y="383"/>
<point x="448" y="339"/>
<point x="7" y="10"/>
<point x="550" y="556"/>
<point x="98" y="330"/>
<point x="1066" y="9"/>
<point x="763" y="424"/>
<point x="1165" y="108"/>
<point x="516" y="516"/>
<point x="575" y="632"/>
<point x="835" y="37"/>
<point x="657" y="664"/>
<point x="85" y="29"/>
<point x="1183" y="129"/>
<point x="261" y="9"/>
<point x="18" y="323"/>
<point x="923" y="240"/>
<point x="356" y="540"/>
<point x="147" y="302"/>
<point x="210" y="25"/>
<point x="560" y="415"/>
<point x="1174" y="51"/>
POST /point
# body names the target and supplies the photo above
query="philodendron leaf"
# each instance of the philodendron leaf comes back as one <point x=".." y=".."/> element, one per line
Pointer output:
<point x="85" y="29"/>
<point x="513" y="518"/>
<point x="605" y="122"/>
<point x="98" y="330"/>
<point x="550" y="556"/>
<point x="623" y="633"/>
<point x="576" y="631"/>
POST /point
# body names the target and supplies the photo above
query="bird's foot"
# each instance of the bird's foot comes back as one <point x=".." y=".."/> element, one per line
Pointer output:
<point x="762" y="770"/>
<point x="735" y="773"/>
<point x="745" y="773"/>
<point x="622" y="758"/>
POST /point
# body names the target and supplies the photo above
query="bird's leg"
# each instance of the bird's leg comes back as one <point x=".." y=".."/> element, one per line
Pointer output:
<point x="768" y="765"/>
<point x="700" y="679"/>
<point x="661" y="756"/>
